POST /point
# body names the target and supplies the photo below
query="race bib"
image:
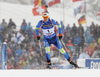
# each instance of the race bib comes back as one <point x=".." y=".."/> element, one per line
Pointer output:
<point x="48" y="32"/>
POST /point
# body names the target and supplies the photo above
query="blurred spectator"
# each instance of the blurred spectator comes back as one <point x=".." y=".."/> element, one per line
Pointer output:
<point x="89" y="41"/>
<point x="35" y="64"/>
<point x="11" y="24"/>
<point x="9" y="54"/>
<point x="69" y="52"/>
<point x="62" y="26"/>
<point x="84" y="55"/>
<point x="30" y="33"/>
<point x="27" y="66"/>
<point x="80" y="30"/>
<point x="1" y="28"/>
<point x="12" y="59"/>
<point x="68" y="27"/>
<point x="23" y="26"/>
<point x="92" y="26"/>
<point x="70" y="46"/>
<point x="98" y="47"/>
<point x="19" y="65"/>
<point x="1" y="37"/>
<point x="28" y="26"/>
<point x="26" y="40"/>
<point x="9" y="65"/>
<point x="74" y="30"/>
<point x="98" y="32"/>
<point x="4" y="24"/>
<point x="67" y="38"/>
<point x="88" y="49"/>
<point x="87" y="34"/>
<point x="77" y="43"/>
<point x="13" y="38"/>
<point x="98" y="40"/>
<point x="77" y="40"/>
<point x="19" y="52"/>
<point x="93" y="45"/>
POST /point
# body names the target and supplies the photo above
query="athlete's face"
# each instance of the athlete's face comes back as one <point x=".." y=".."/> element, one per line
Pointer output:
<point x="45" y="19"/>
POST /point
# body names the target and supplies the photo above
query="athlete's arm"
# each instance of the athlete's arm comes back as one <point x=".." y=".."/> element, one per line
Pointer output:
<point x="37" y="27"/>
<point x="59" y="25"/>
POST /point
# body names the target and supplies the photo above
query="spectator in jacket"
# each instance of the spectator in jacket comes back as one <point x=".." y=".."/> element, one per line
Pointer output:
<point x="77" y="43"/>
<point x="93" y="45"/>
<point x="68" y="27"/>
<point x="74" y="30"/>
<point x="30" y="33"/>
<point x="11" y="24"/>
<point x="84" y="55"/>
<point x="88" y="49"/>
<point x="98" y="32"/>
<point x="77" y="40"/>
<point x="92" y="25"/>
<point x="19" y="52"/>
<point x="62" y="26"/>
<point x="81" y="29"/>
<point x="28" y="26"/>
<point x="23" y="26"/>
<point x="4" y="24"/>
<point x="70" y="46"/>
<point x="27" y="66"/>
<point x="99" y="40"/>
<point x="1" y="37"/>
<point x="87" y="34"/>
<point x="67" y="38"/>
<point x="89" y="41"/>
<point x="1" y="28"/>
<point x="10" y="66"/>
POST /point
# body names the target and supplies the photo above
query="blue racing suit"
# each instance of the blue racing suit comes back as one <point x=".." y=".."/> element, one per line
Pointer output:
<point x="50" y="36"/>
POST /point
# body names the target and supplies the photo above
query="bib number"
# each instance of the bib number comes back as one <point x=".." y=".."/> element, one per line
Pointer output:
<point x="48" y="32"/>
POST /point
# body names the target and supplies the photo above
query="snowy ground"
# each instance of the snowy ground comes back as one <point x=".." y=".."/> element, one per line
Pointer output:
<point x="50" y="73"/>
<point x="19" y="12"/>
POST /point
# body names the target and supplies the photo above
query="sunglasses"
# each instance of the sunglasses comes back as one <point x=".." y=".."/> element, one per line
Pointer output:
<point x="45" y="17"/>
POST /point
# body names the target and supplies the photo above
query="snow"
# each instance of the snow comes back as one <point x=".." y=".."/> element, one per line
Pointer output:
<point x="19" y="12"/>
<point x="50" y="73"/>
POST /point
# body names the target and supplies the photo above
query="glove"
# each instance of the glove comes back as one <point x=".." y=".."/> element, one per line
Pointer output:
<point x="38" y="37"/>
<point x="60" y="36"/>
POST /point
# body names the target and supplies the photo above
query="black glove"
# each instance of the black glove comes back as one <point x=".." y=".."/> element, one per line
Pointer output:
<point x="60" y="36"/>
<point x="38" y="37"/>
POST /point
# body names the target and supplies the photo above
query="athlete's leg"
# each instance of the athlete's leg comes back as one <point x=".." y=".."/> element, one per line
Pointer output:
<point x="61" y="49"/>
<point x="47" y="49"/>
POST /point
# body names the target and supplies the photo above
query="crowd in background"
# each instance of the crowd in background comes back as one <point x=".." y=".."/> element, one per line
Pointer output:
<point x="80" y="43"/>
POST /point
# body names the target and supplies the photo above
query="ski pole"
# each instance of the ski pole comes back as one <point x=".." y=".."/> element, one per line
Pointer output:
<point x="40" y="48"/>
<point x="63" y="44"/>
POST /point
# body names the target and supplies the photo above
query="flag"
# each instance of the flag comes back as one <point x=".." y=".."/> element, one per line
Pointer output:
<point x="37" y="3"/>
<point x="80" y="9"/>
<point x="20" y="38"/>
<point x="99" y="13"/>
<point x="77" y="0"/>
<point x="52" y="2"/>
<point x="83" y="7"/>
<point x="39" y="10"/>
<point x="82" y="20"/>
<point x="76" y="11"/>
